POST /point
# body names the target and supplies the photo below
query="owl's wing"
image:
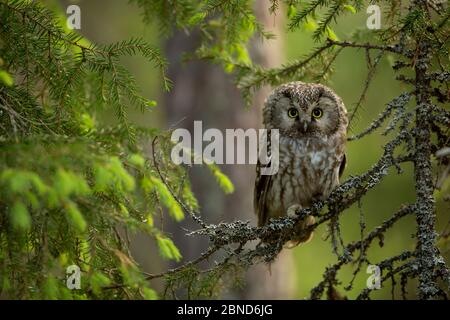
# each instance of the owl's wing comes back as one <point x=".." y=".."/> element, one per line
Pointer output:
<point x="342" y="165"/>
<point x="262" y="186"/>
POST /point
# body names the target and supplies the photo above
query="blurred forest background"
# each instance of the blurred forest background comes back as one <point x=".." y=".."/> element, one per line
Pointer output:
<point x="203" y="91"/>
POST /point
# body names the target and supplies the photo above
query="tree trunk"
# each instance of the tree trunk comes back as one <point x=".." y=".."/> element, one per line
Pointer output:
<point x="204" y="92"/>
<point x="425" y="209"/>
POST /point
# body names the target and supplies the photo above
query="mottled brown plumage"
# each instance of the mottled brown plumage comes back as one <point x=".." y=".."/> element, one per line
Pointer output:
<point x="312" y="122"/>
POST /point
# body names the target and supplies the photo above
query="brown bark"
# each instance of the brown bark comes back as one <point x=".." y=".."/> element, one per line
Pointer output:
<point x="204" y="92"/>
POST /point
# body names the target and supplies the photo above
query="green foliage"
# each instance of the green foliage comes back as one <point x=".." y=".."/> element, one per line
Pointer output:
<point x="224" y="26"/>
<point x="6" y="78"/>
<point x="154" y="184"/>
<point x="208" y="284"/>
<point x="98" y="281"/>
<point x="168" y="249"/>
<point x="224" y="182"/>
<point x="69" y="185"/>
<point x="19" y="216"/>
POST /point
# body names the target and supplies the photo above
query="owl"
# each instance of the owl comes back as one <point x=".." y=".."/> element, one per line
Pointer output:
<point x="312" y="123"/>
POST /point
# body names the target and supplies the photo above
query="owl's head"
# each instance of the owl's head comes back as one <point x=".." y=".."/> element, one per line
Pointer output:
<point x="300" y="109"/>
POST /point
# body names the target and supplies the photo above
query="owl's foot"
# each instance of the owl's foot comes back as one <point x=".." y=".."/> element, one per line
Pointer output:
<point x="292" y="210"/>
<point x="291" y="244"/>
<point x="301" y="226"/>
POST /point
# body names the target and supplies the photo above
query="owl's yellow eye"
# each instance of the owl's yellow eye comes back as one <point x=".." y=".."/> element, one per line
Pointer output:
<point x="292" y="113"/>
<point x="317" y="113"/>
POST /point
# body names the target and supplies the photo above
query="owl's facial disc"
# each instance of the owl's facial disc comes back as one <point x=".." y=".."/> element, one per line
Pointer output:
<point x="299" y="110"/>
<point x="317" y="118"/>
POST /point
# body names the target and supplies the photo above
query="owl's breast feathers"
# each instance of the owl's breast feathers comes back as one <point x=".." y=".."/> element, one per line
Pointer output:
<point x="309" y="170"/>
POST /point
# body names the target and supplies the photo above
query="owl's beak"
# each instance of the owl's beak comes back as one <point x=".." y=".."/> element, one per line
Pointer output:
<point x="303" y="125"/>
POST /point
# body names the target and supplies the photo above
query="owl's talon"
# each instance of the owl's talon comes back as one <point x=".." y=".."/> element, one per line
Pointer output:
<point x="305" y="238"/>
<point x="292" y="211"/>
<point x="291" y="244"/>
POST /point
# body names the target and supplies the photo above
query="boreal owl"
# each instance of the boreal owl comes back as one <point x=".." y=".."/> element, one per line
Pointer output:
<point x="312" y="123"/>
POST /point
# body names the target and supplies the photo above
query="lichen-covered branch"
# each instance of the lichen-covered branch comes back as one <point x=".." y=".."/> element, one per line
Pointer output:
<point x="427" y="253"/>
